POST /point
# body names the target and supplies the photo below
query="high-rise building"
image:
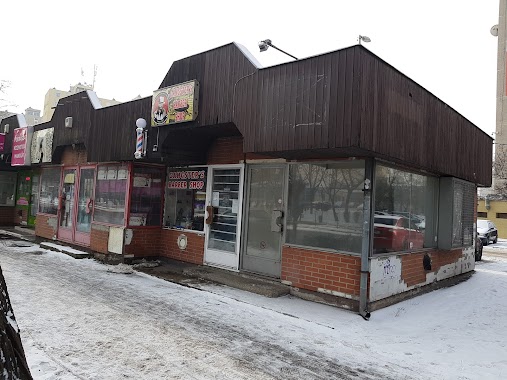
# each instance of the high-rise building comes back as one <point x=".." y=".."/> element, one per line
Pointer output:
<point x="54" y="95"/>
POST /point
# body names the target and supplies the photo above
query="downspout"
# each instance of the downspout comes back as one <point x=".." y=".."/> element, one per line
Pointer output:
<point x="366" y="241"/>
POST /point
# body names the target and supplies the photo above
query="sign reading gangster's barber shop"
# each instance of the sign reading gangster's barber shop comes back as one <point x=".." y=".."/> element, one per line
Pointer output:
<point x="175" y="104"/>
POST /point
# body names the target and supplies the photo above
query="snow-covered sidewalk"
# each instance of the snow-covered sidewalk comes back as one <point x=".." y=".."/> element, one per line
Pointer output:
<point x="80" y="321"/>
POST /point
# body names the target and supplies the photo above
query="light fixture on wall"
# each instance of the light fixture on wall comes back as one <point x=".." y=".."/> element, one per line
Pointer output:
<point x="364" y="39"/>
<point x="265" y="44"/>
<point x="6" y="128"/>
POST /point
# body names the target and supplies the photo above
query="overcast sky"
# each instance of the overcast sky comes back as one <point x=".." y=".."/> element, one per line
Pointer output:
<point x="444" y="45"/>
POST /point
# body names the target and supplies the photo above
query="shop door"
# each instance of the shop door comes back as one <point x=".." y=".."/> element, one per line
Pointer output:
<point x="34" y="200"/>
<point x="223" y="219"/>
<point x="84" y="206"/>
<point x="23" y="195"/>
<point x="67" y="205"/>
<point x="264" y="220"/>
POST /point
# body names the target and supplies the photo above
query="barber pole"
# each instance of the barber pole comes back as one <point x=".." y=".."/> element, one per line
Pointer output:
<point x="140" y="134"/>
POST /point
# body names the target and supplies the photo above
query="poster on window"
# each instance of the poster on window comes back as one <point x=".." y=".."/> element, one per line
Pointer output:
<point x="102" y="173"/>
<point x="142" y="180"/>
<point x="42" y="146"/>
<point x="112" y="172"/>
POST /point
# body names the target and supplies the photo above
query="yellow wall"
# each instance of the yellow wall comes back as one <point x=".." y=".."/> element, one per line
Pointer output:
<point x="495" y="208"/>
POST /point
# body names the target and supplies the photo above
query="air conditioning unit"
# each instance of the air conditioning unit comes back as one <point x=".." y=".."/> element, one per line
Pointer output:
<point x="68" y="122"/>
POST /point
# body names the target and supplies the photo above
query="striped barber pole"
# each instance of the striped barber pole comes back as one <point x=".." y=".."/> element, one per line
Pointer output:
<point x="139" y="143"/>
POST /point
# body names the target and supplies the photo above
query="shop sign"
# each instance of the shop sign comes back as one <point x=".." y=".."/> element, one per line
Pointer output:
<point x="2" y="142"/>
<point x="21" y="146"/>
<point x="175" y="104"/>
<point x="42" y="146"/>
<point x="187" y="180"/>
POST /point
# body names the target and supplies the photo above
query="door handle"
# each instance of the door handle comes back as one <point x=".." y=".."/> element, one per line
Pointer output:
<point x="276" y="221"/>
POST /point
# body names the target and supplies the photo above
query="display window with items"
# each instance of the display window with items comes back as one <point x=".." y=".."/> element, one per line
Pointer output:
<point x="49" y="187"/>
<point x="146" y="196"/>
<point x="7" y="188"/>
<point x="185" y="198"/>
<point x="111" y="193"/>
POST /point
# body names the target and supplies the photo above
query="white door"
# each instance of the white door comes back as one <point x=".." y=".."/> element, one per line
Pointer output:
<point x="223" y="216"/>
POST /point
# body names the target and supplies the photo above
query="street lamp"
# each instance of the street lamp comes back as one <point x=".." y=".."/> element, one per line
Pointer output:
<point x="364" y="39"/>
<point x="264" y="45"/>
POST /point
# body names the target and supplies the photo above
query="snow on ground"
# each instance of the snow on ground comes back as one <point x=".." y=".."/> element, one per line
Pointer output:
<point x="79" y="321"/>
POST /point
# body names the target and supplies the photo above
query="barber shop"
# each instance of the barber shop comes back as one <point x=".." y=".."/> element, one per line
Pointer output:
<point x="335" y="174"/>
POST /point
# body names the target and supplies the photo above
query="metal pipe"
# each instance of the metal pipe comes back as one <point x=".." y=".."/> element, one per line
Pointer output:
<point x="366" y="241"/>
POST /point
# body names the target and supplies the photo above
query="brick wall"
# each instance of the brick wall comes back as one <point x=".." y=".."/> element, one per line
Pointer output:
<point x="194" y="253"/>
<point x="321" y="271"/>
<point x="7" y="216"/>
<point x="226" y="150"/>
<point x="99" y="237"/>
<point x="46" y="226"/>
<point x="145" y="242"/>
<point x="21" y="215"/>
<point x="74" y="156"/>
<point x="412" y="269"/>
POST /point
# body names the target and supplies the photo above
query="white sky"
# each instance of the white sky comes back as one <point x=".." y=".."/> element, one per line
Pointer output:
<point x="444" y="45"/>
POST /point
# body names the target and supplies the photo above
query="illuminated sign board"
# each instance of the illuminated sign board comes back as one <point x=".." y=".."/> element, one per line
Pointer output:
<point x="21" y="146"/>
<point x="175" y="104"/>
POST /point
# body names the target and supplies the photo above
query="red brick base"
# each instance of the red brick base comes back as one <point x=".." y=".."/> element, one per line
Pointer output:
<point x="321" y="271"/>
<point x="145" y="242"/>
<point x="46" y="226"/>
<point x="99" y="238"/>
<point x="193" y="253"/>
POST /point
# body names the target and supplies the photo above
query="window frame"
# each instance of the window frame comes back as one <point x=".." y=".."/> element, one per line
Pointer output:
<point x="286" y="206"/>
<point x="168" y="168"/>
<point x="15" y="187"/>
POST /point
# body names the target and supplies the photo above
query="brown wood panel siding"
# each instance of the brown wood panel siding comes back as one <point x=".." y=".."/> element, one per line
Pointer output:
<point x="113" y="134"/>
<point x="361" y="104"/>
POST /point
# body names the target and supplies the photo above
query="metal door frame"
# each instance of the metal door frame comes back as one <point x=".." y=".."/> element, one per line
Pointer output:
<point x="81" y="167"/>
<point x="246" y="201"/>
<point x="74" y="207"/>
<point x="209" y="196"/>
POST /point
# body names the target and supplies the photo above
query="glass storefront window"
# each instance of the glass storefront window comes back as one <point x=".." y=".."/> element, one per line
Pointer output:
<point x="185" y="198"/>
<point x="325" y="205"/>
<point x="146" y="196"/>
<point x="110" y="193"/>
<point x="7" y="188"/>
<point x="49" y="187"/>
<point x="405" y="210"/>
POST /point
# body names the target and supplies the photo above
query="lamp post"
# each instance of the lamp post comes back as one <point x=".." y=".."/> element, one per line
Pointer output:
<point x="364" y="39"/>
<point x="265" y="44"/>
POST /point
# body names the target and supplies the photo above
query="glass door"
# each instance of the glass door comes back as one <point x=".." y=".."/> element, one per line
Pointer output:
<point x="23" y="196"/>
<point x="34" y="200"/>
<point x="223" y="216"/>
<point x="264" y="220"/>
<point x="84" y="205"/>
<point x="67" y="205"/>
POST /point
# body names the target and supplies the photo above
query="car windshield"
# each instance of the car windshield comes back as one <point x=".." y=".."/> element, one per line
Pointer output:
<point x="482" y="223"/>
<point x="388" y="221"/>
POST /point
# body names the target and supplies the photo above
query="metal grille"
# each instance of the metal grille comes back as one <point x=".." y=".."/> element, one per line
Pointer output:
<point x="463" y="214"/>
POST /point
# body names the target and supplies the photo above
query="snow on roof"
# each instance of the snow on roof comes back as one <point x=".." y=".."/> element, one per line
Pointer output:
<point x="94" y="99"/>
<point x="249" y="55"/>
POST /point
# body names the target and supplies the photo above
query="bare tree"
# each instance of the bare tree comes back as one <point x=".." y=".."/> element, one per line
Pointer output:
<point x="4" y="85"/>
<point x="500" y="170"/>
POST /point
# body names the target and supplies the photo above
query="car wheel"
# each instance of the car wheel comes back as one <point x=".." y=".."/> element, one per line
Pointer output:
<point x="495" y="239"/>
<point x="486" y="241"/>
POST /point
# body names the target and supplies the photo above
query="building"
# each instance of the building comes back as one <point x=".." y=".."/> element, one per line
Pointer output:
<point x="335" y="174"/>
<point x="32" y="116"/>
<point x="53" y="96"/>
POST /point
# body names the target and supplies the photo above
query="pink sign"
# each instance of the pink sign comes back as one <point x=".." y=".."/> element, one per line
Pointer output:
<point x="2" y="142"/>
<point x="19" y="146"/>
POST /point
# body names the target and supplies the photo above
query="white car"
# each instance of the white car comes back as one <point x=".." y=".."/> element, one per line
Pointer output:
<point x="487" y="231"/>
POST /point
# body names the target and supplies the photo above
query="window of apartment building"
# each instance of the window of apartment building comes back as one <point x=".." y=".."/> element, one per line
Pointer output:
<point x="49" y="188"/>
<point x="325" y="205"/>
<point x="7" y="188"/>
<point x="146" y="196"/>
<point x="185" y="198"/>
<point x="483" y="214"/>
<point x="111" y="193"/>
<point x="499" y="215"/>
<point x="405" y="210"/>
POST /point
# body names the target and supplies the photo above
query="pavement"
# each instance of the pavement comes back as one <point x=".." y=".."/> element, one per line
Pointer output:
<point x="187" y="274"/>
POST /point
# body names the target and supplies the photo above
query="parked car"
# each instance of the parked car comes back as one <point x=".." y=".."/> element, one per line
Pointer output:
<point x="487" y="231"/>
<point x="478" y="248"/>
<point x="392" y="234"/>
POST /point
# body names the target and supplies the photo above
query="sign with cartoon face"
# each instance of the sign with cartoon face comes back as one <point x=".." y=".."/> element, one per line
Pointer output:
<point x="175" y="104"/>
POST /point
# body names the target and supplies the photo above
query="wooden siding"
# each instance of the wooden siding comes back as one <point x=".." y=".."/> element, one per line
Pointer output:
<point x="351" y="100"/>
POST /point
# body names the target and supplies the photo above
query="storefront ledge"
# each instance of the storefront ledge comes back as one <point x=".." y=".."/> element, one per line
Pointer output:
<point x="419" y="291"/>
<point x="326" y="298"/>
<point x="109" y="258"/>
<point x="67" y="250"/>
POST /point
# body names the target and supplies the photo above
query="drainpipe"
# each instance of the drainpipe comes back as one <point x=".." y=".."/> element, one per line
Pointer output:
<point x="366" y="242"/>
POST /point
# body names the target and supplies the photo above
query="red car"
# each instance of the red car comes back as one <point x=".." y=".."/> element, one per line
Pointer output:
<point x="392" y="233"/>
